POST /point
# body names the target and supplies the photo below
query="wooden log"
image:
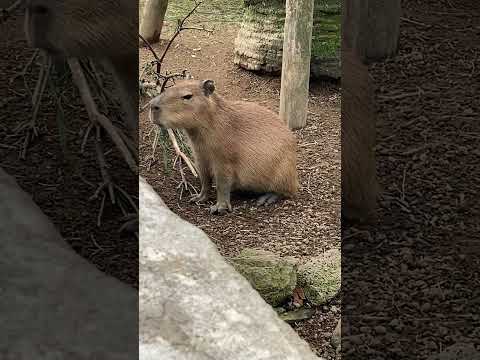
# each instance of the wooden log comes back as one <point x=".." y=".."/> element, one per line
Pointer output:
<point x="296" y="63"/>
<point x="370" y="32"/>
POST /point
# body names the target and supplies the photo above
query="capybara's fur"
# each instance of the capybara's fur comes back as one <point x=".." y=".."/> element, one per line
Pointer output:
<point x="359" y="182"/>
<point x="105" y="30"/>
<point x="241" y="145"/>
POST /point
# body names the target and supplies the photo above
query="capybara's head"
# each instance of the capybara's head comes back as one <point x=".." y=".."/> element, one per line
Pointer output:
<point x="81" y="28"/>
<point x="186" y="105"/>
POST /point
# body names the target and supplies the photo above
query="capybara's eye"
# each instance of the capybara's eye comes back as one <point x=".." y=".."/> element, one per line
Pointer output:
<point x="156" y="107"/>
<point x="187" y="97"/>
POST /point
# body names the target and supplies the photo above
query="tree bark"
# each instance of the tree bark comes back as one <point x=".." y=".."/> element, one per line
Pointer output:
<point x="370" y="32"/>
<point x="371" y="28"/>
<point x="297" y="46"/>
<point x="152" y="20"/>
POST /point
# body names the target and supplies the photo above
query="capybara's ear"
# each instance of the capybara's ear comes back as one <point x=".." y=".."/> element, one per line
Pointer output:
<point x="208" y="87"/>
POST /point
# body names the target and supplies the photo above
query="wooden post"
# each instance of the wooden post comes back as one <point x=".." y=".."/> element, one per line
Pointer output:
<point x="152" y="20"/>
<point x="296" y="62"/>
<point x="370" y="32"/>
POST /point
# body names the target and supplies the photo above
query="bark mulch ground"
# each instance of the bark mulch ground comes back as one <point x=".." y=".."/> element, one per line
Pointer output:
<point x="414" y="276"/>
<point x="61" y="186"/>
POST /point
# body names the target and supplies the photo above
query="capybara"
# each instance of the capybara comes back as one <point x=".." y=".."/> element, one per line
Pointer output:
<point x="241" y="145"/>
<point x="105" y="30"/>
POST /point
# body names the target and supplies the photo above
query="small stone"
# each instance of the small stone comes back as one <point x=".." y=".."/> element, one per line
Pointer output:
<point x="380" y="329"/>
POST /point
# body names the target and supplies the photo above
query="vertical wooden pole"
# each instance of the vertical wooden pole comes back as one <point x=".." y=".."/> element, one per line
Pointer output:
<point x="370" y="32"/>
<point x="296" y="62"/>
<point x="151" y="22"/>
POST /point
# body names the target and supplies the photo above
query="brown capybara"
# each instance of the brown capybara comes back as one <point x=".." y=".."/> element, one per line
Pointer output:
<point x="241" y="145"/>
<point x="104" y="30"/>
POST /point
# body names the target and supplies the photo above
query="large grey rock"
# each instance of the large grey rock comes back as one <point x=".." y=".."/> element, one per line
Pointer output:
<point x="53" y="303"/>
<point x="272" y="276"/>
<point x="193" y="305"/>
<point x="321" y="277"/>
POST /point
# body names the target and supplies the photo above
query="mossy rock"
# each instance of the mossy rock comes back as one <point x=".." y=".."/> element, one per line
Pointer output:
<point x="320" y="277"/>
<point x="272" y="276"/>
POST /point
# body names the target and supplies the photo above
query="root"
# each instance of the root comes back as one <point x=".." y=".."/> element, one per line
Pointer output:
<point x="96" y="117"/>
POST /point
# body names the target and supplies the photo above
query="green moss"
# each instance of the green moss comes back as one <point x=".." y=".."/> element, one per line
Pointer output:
<point x="274" y="278"/>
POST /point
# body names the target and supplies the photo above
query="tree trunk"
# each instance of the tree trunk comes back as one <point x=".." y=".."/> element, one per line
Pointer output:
<point x="371" y="28"/>
<point x="370" y="32"/>
<point x="296" y="63"/>
<point x="152" y="20"/>
<point x="259" y="42"/>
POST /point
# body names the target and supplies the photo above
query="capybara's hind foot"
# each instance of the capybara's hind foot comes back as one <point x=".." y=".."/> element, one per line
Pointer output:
<point x="267" y="199"/>
<point x="220" y="208"/>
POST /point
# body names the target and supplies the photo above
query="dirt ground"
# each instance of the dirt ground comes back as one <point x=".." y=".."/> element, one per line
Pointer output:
<point x="62" y="185"/>
<point x="414" y="276"/>
<point x="301" y="227"/>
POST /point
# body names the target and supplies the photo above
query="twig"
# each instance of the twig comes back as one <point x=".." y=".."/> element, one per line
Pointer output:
<point x="26" y="67"/>
<point x="107" y="180"/>
<point x="171" y="76"/>
<point x="100" y="212"/>
<point x="414" y="22"/>
<point x="198" y="28"/>
<point x="95" y="116"/>
<point x="177" y="32"/>
<point x="5" y="13"/>
<point x="30" y="126"/>
<point x="150" y="48"/>
<point x="173" y="139"/>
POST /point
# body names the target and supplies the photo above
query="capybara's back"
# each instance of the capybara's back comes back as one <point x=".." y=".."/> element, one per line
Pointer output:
<point x="261" y="148"/>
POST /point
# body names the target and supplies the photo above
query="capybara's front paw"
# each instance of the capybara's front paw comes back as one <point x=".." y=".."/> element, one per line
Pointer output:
<point x="220" y="208"/>
<point x="202" y="197"/>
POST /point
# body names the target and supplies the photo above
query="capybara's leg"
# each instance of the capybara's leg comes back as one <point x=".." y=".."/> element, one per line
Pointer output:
<point x="268" y="199"/>
<point x="205" y="181"/>
<point x="223" y="179"/>
<point x="359" y="183"/>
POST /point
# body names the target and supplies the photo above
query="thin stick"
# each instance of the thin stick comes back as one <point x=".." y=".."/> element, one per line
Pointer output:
<point x="177" y="32"/>
<point x="173" y="139"/>
<point x="103" y="165"/>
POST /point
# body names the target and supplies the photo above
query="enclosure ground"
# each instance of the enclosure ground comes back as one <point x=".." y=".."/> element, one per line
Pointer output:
<point x="302" y="227"/>
<point x="62" y="185"/>
<point x="415" y="274"/>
